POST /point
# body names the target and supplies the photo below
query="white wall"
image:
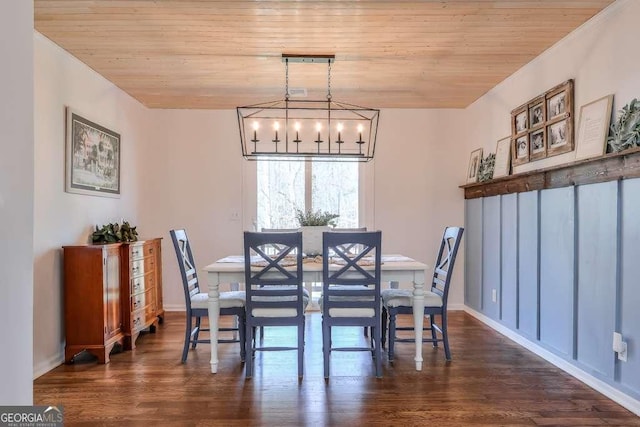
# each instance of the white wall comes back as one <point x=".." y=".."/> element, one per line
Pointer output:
<point x="599" y="56"/>
<point x="418" y="168"/>
<point x="16" y="201"/>
<point x="193" y="180"/>
<point x="63" y="218"/>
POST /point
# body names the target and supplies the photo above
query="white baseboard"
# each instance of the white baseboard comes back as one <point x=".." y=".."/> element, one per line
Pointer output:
<point x="47" y="365"/>
<point x="455" y="307"/>
<point x="612" y="393"/>
<point x="174" y="307"/>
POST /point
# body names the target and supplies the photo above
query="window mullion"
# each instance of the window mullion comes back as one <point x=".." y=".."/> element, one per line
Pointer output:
<point x="308" y="184"/>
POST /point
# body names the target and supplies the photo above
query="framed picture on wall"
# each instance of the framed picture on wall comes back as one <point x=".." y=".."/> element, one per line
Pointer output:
<point x="503" y="158"/>
<point x="593" y="128"/>
<point x="474" y="165"/>
<point x="520" y="150"/>
<point x="519" y="122"/>
<point x="557" y="104"/>
<point x="558" y="137"/>
<point x="538" y="147"/>
<point x="536" y="113"/>
<point x="549" y="128"/>
<point x="92" y="157"/>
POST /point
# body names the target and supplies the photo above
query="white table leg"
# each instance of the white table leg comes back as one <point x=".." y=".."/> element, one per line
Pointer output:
<point x="418" y="318"/>
<point x="214" y="314"/>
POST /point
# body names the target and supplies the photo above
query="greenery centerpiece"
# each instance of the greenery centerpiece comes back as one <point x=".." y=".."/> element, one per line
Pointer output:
<point x="114" y="233"/>
<point x="315" y="218"/>
<point x="312" y="225"/>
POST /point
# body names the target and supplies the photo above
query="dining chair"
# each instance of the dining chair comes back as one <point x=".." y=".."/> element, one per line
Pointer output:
<point x="400" y="301"/>
<point x="196" y="302"/>
<point x="352" y="249"/>
<point x="275" y="249"/>
<point x="274" y="290"/>
<point x="351" y="290"/>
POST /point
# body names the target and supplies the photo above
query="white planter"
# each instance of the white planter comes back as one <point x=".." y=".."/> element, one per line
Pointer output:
<point x="312" y="239"/>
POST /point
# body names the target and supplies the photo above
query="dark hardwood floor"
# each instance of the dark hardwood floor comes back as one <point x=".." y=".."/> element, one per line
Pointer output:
<point x="491" y="381"/>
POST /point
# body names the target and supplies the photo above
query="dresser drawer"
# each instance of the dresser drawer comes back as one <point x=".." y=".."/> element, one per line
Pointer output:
<point x="142" y="283"/>
<point x="141" y="250"/>
<point x="140" y="267"/>
<point x="141" y="319"/>
<point x="142" y="300"/>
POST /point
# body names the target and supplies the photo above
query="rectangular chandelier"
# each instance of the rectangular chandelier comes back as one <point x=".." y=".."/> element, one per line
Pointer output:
<point x="289" y="129"/>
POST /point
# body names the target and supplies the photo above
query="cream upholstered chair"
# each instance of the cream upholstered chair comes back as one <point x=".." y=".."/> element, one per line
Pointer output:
<point x="274" y="288"/>
<point x="400" y="301"/>
<point x="196" y="302"/>
<point x="351" y="290"/>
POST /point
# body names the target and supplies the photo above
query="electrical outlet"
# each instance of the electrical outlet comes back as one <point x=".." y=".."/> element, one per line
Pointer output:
<point x="620" y="346"/>
<point x="494" y="295"/>
<point x="235" y="216"/>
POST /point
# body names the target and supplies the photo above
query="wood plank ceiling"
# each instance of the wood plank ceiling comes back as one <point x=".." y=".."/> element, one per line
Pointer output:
<point x="389" y="54"/>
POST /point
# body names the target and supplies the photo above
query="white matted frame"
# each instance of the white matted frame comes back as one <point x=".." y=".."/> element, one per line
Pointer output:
<point x="503" y="158"/>
<point x="92" y="157"/>
<point x="593" y="128"/>
<point x="474" y="166"/>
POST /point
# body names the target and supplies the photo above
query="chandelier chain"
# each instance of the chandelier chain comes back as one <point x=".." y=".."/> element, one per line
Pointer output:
<point x="329" y="81"/>
<point x="286" y="80"/>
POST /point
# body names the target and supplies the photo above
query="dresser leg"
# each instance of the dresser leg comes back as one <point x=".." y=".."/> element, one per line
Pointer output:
<point x="127" y="344"/>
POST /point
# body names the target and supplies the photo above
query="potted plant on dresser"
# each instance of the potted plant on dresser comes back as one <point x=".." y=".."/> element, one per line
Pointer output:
<point x="312" y="225"/>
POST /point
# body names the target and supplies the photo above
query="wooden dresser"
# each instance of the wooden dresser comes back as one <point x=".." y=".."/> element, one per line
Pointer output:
<point x="141" y="288"/>
<point x="92" y="307"/>
<point x="111" y="293"/>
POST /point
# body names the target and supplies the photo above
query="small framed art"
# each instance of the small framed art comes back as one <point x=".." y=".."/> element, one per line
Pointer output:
<point x="474" y="165"/>
<point x="520" y="150"/>
<point x="536" y="113"/>
<point x="519" y="122"/>
<point x="503" y="158"/>
<point x="558" y="137"/>
<point x="593" y="127"/>
<point x="538" y="145"/>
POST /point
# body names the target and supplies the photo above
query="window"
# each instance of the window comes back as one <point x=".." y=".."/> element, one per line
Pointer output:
<point x="284" y="186"/>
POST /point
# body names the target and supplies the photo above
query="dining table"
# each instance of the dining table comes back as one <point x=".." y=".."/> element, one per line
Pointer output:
<point x="394" y="268"/>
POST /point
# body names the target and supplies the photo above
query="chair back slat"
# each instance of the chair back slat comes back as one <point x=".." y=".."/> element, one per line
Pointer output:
<point x="351" y="280"/>
<point x="186" y="264"/>
<point x="273" y="280"/>
<point x="445" y="261"/>
<point x="349" y="248"/>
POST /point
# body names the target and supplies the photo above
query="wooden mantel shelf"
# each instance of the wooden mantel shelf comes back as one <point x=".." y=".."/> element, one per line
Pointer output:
<point x="610" y="167"/>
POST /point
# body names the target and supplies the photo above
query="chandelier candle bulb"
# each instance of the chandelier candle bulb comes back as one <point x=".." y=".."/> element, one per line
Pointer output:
<point x="255" y="131"/>
<point x="297" y="128"/>
<point x="360" y="141"/>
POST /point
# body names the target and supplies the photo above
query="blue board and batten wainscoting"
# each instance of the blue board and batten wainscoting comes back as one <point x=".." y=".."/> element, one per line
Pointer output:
<point x="559" y="268"/>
